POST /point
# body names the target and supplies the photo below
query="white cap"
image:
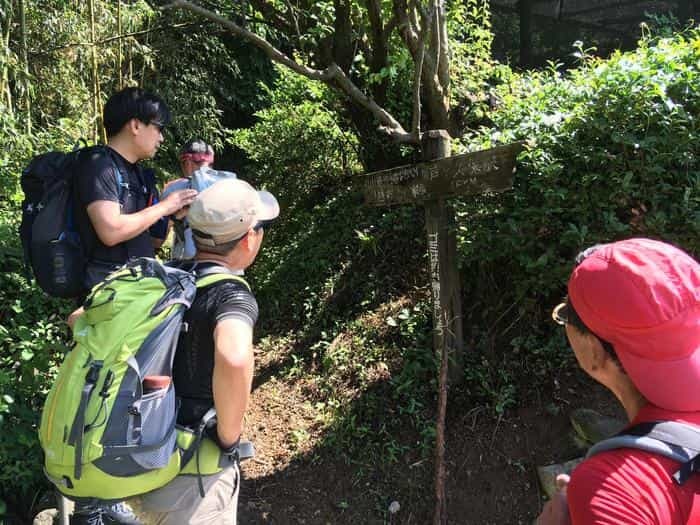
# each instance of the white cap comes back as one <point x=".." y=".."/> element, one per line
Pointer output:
<point x="227" y="209"/>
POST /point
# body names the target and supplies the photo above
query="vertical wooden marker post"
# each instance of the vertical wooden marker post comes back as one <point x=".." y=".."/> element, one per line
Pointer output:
<point x="431" y="183"/>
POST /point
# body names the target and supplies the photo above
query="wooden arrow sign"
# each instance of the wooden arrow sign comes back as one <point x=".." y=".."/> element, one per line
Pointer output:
<point x="486" y="171"/>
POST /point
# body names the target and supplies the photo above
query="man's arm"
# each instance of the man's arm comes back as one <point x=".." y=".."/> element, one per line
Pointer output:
<point x="73" y="317"/>
<point x="113" y="227"/>
<point x="233" y="376"/>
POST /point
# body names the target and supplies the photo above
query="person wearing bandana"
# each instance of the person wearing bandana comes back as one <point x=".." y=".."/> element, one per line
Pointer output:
<point x="196" y="160"/>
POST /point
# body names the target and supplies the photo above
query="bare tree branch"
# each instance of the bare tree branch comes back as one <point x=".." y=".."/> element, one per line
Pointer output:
<point x="332" y="75"/>
<point x="275" y="18"/>
<point x="434" y="32"/>
<point x="406" y="30"/>
<point x="293" y="16"/>
<point x="444" y="51"/>
<point x="113" y="38"/>
<point x="415" y="14"/>
<point x="343" y="50"/>
<point x="408" y="24"/>
<point x="417" y="74"/>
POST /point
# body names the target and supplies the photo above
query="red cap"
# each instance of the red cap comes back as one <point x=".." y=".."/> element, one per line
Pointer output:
<point x="643" y="296"/>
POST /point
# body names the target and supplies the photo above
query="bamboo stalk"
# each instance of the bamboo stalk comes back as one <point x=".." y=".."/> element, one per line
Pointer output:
<point x="25" y="64"/>
<point x="143" y="65"/>
<point x="96" y="94"/>
<point x="119" y="32"/>
<point x="5" y="77"/>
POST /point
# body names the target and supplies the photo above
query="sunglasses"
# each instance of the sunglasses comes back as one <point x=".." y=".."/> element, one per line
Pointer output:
<point x="261" y="224"/>
<point x="560" y="314"/>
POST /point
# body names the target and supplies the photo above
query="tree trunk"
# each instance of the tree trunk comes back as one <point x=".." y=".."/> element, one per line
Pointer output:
<point x="525" y="13"/>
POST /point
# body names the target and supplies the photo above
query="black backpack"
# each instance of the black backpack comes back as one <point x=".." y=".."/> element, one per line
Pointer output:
<point x="48" y="231"/>
<point x="674" y="440"/>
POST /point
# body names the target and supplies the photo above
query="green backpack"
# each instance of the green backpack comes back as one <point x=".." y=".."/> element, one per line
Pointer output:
<point x="103" y="434"/>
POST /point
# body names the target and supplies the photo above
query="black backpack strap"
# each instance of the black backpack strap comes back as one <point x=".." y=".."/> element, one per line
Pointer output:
<point x="671" y="439"/>
<point x="118" y="174"/>
<point x="208" y="419"/>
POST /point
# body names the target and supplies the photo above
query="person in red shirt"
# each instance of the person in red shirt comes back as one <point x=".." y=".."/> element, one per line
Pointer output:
<point x="632" y="318"/>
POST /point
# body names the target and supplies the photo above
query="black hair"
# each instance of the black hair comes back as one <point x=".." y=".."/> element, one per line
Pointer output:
<point x="220" y="249"/>
<point x="196" y="145"/>
<point x="133" y="102"/>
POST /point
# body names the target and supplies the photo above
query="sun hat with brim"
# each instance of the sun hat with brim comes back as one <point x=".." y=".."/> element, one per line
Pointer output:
<point x="643" y="296"/>
<point x="227" y="210"/>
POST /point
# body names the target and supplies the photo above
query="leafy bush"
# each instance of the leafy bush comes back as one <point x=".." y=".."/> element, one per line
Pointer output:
<point x="611" y="152"/>
<point x="32" y="343"/>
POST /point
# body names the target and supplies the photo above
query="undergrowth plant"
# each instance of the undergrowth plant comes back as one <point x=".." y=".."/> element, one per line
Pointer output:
<point x="32" y="343"/>
<point x="611" y="152"/>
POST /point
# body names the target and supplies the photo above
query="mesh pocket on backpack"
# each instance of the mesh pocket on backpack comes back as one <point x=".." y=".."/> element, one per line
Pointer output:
<point x="157" y="432"/>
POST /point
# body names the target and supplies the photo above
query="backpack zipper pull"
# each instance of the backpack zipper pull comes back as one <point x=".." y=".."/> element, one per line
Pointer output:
<point x="109" y="379"/>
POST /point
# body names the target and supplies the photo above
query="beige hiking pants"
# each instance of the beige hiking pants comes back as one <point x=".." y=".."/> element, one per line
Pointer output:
<point x="179" y="502"/>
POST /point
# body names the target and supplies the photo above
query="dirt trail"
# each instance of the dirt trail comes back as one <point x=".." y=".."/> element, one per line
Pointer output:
<point x="491" y="461"/>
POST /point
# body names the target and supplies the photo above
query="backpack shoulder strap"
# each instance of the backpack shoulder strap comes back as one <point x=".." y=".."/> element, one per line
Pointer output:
<point x="118" y="174"/>
<point x="671" y="439"/>
<point x="215" y="274"/>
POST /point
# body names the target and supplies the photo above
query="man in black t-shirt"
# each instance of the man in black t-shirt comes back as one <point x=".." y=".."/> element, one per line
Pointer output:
<point x="214" y="360"/>
<point x="117" y="210"/>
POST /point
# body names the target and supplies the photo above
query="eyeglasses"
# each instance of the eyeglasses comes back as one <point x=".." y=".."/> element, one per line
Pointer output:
<point x="261" y="224"/>
<point x="559" y="314"/>
<point x="155" y="123"/>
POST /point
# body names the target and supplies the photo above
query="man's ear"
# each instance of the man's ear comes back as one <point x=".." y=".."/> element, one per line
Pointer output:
<point x="134" y="126"/>
<point x="249" y="239"/>
<point x="601" y="361"/>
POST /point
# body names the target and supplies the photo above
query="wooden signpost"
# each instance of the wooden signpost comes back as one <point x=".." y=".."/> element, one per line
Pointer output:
<point x="430" y="183"/>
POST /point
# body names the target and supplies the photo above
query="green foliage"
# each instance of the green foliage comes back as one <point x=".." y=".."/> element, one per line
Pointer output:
<point x="297" y="144"/>
<point x="50" y="108"/>
<point x="611" y="153"/>
<point x="327" y="266"/>
<point x="473" y="72"/>
<point x="216" y="83"/>
<point x="32" y="343"/>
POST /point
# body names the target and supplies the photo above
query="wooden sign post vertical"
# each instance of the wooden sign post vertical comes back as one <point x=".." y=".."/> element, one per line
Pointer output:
<point x="444" y="274"/>
<point x="447" y="307"/>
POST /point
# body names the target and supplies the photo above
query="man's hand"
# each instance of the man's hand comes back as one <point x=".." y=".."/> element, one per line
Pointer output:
<point x="177" y="200"/>
<point x="73" y="317"/>
<point x="556" y="510"/>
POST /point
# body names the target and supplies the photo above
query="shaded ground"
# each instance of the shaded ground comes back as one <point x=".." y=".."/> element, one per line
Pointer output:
<point x="491" y="461"/>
